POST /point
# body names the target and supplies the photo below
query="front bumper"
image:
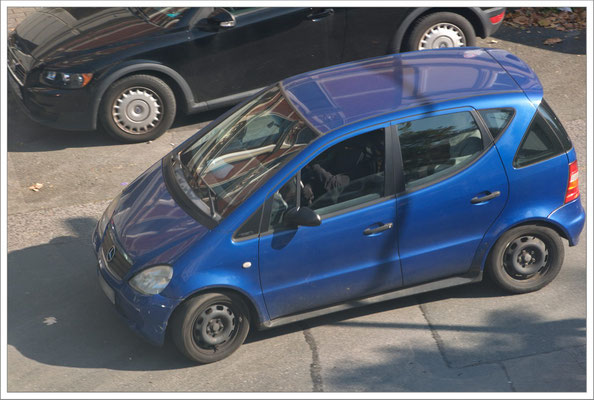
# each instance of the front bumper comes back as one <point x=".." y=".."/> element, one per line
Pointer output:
<point x="56" y="108"/>
<point x="145" y="315"/>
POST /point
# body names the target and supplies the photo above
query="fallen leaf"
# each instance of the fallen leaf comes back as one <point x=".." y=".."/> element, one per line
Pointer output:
<point x="493" y="41"/>
<point x="36" y="187"/>
<point x="544" y="22"/>
<point x="553" y="40"/>
<point x="50" y="320"/>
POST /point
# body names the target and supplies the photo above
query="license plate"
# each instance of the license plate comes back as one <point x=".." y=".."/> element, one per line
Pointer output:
<point x="106" y="289"/>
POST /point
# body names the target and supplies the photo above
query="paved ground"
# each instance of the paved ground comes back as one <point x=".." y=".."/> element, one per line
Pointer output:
<point x="63" y="334"/>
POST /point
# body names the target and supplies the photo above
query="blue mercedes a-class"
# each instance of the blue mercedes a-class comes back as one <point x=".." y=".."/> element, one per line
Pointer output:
<point x="341" y="187"/>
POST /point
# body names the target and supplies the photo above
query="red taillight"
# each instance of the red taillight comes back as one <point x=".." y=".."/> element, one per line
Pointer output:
<point x="573" y="190"/>
<point x="497" y="18"/>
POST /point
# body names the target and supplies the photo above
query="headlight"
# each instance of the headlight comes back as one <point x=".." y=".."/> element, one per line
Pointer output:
<point x="65" y="79"/>
<point x="107" y="214"/>
<point x="152" y="280"/>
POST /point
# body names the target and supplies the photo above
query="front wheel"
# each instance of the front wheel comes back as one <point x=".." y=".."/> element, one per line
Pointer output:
<point x="209" y="327"/>
<point x="137" y="108"/>
<point x="526" y="258"/>
<point x="441" y="29"/>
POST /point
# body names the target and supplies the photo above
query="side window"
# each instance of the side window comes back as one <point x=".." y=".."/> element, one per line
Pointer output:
<point x="547" y="112"/>
<point x="251" y="226"/>
<point x="437" y="146"/>
<point x="539" y="143"/>
<point x="497" y="120"/>
<point x="347" y="174"/>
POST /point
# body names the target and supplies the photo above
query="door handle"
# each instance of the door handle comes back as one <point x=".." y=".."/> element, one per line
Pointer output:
<point x="317" y="14"/>
<point x="476" y="200"/>
<point x="371" y="231"/>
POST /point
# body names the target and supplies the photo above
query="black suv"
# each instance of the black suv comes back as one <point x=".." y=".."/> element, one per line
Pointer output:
<point x="132" y="69"/>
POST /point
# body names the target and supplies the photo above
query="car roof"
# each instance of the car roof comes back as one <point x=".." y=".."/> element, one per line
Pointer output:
<point x="340" y="95"/>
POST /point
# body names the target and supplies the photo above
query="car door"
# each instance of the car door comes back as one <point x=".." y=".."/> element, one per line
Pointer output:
<point x="455" y="188"/>
<point x="353" y="253"/>
<point x="264" y="46"/>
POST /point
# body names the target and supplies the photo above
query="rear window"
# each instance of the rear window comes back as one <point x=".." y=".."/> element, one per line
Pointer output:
<point x="548" y="114"/>
<point x="497" y="120"/>
<point x="539" y="143"/>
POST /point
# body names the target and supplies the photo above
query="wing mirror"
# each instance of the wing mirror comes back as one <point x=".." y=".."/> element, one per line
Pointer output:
<point x="302" y="216"/>
<point x="219" y="18"/>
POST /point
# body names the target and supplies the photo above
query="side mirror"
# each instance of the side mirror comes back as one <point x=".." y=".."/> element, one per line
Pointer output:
<point x="219" y="18"/>
<point x="302" y="216"/>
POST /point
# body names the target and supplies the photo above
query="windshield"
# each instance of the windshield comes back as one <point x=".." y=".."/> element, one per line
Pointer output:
<point x="163" y="16"/>
<point x="236" y="157"/>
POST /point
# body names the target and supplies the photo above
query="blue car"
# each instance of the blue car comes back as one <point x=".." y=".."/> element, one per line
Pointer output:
<point x="342" y="187"/>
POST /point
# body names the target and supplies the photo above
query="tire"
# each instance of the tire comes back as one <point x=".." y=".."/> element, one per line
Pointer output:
<point x="192" y="326"/>
<point x="148" y="96"/>
<point x="526" y="258"/>
<point x="440" y="29"/>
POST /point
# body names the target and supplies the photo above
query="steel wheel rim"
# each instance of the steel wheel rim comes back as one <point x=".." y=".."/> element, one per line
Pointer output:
<point x="526" y="257"/>
<point x="137" y="110"/>
<point x="442" y="35"/>
<point x="215" y="326"/>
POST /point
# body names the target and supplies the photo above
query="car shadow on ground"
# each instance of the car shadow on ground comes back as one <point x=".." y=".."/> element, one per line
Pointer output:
<point x="572" y="42"/>
<point x="58" y="315"/>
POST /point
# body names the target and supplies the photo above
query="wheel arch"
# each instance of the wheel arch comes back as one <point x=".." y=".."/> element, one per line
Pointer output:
<point x="179" y="86"/>
<point x="404" y="30"/>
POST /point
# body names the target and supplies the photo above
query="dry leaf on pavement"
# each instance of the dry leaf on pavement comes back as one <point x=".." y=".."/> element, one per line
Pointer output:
<point x="553" y="40"/>
<point x="36" y="187"/>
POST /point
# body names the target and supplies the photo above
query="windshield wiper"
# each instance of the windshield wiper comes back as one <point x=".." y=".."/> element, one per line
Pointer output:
<point x="210" y="192"/>
<point x="138" y="12"/>
<point x="188" y="175"/>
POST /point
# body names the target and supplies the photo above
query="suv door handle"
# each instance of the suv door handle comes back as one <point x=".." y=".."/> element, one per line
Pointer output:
<point x="476" y="200"/>
<point x="371" y="231"/>
<point x="316" y="15"/>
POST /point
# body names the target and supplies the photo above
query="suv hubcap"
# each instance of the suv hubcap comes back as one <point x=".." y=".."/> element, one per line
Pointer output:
<point x="137" y="110"/>
<point x="442" y="35"/>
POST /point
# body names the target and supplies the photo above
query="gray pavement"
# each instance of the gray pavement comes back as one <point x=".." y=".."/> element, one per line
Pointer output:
<point x="64" y="335"/>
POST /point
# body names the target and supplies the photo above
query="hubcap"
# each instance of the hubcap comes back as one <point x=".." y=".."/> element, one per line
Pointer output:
<point x="442" y="35"/>
<point x="526" y="256"/>
<point x="215" y="325"/>
<point x="137" y="110"/>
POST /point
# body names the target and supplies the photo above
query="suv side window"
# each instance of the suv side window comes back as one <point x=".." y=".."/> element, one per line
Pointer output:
<point x="348" y="174"/>
<point x="434" y="147"/>
<point x="538" y="144"/>
<point x="497" y="120"/>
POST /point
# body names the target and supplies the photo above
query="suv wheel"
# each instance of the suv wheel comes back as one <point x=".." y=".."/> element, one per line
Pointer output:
<point x="209" y="327"/>
<point x="137" y="108"/>
<point x="441" y="29"/>
<point x="526" y="258"/>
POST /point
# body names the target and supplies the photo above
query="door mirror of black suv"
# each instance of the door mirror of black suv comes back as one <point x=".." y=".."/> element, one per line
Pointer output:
<point x="218" y="19"/>
<point x="302" y="216"/>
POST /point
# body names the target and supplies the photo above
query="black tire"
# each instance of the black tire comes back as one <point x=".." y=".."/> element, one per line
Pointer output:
<point x="455" y="23"/>
<point x="154" y="101"/>
<point x="526" y="258"/>
<point x="194" y="334"/>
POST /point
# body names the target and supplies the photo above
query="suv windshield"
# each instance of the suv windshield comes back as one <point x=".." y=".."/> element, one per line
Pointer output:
<point x="232" y="160"/>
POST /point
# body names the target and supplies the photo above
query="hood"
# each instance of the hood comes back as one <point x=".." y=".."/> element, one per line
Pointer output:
<point x="55" y="33"/>
<point x="150" y="225"/>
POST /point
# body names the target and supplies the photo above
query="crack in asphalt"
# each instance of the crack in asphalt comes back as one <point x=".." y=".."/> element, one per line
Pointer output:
<point x="436" y="337"/>
<point x="315" y="369"/>
<point x="509" y="379"/>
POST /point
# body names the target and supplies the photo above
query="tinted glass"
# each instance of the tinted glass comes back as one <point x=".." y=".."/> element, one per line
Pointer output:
<point x="496" y="120"/>
<point x="539" y="143"/>
<point x="437" y="146"/>
<point x="251" y="226"/>
<point x="282" y="201"/>
<point x="547" y="112"/>
<point x="236" y="157"/>
<point x="347" y="174"/>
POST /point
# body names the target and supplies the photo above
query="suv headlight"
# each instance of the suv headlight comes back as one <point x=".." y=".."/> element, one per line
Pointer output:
<point x="65" y="79"/>
<point x="152" y="280"/>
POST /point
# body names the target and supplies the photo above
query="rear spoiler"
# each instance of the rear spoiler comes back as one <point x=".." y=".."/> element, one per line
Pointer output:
<point x="520" y="72"/>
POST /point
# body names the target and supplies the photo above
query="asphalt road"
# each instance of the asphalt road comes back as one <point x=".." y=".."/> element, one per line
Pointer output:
<point x="64" y="335"/>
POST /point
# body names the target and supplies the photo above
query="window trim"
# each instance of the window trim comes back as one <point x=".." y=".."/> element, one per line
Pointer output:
<point x="488" y="143"/>
<point x="504" y="128"/>
<point x="525" y="135"/>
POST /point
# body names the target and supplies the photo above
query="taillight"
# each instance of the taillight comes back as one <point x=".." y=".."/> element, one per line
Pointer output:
<point x="573" y="190"/>
<point x="497" y="18"/>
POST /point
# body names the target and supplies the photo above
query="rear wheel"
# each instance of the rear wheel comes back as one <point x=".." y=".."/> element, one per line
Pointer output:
<point x="441" y="29"/>
<point x="210" y="327"/>
<point x="137" y="108"/>
<point x="526" y="258"/>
